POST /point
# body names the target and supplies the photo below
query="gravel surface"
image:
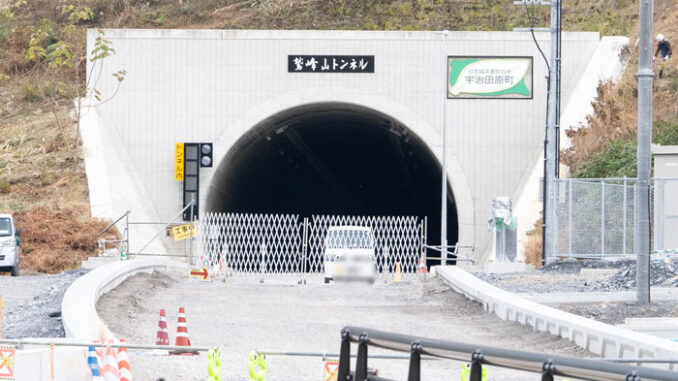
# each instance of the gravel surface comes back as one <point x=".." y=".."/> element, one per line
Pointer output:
<point x="616" y="313"/>
<point x="30" y="299"/>
<point x="589" y="276"/>
<point x="582" y="276"/>
<point x="242" y="315"/>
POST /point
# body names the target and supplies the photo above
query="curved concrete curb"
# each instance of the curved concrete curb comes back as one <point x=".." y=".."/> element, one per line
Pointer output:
<point x="78" y="308"/>
<point x="599" y="338"/>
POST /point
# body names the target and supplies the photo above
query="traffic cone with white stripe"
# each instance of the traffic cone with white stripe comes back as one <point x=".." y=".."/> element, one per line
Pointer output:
<point x="109" y="363"/>
<point x="422" y="265"/>
<point x="123" y="364"/>
<point x="162" y="338"/>
<point x="182" y="339"/>
<point x="182" y="330"/>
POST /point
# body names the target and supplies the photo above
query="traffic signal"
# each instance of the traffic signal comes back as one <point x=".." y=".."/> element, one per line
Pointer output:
<point x="206" y="155"/>
<point x="191" y="179"/>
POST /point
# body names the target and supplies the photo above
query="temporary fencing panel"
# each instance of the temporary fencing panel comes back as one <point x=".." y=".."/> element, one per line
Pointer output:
<point x="596" y="217"/>
<point x="240" y="243"/>
<point x="250" y="243"/>
<point x="396" y="239"/>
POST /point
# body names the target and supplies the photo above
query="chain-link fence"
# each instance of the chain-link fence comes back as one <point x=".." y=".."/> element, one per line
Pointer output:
<point x="596" y="216"/>
<point x="241" y="243"/>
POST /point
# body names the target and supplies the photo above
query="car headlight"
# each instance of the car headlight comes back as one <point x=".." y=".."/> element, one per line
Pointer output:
<point x="9" y="243"/>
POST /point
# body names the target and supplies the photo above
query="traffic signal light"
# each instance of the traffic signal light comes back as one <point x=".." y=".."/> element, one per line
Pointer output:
<point x="191" y="179"/>
<point x="206" y="155"/>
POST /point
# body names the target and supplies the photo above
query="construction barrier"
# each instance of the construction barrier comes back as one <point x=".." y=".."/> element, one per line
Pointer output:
<point x="214" y="365"/>
<point x="257" y="367"/>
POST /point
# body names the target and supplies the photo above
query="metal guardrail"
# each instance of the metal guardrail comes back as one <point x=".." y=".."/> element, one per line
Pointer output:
<point x="452" y="256"/>
<point x="66" y="343"/>
<point x="122" y="244"/>
<point x="546" y="365"/>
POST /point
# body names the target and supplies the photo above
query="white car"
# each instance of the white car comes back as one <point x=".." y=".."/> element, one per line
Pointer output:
<point x="349" y="254"/>
<point x="10" y="245"/>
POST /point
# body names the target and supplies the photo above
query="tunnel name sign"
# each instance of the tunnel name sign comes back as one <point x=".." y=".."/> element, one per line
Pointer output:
<point x="330" y="64"/>
<point x="489" y="77"/>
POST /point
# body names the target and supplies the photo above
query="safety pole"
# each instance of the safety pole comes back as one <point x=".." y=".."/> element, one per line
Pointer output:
<point x="443" y="203"/>
<point x="641" y="216"/>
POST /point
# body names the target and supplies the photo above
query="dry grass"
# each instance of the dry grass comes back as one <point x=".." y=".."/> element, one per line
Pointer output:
<point x="533" y="245"/>
<point x="56" y="240"/>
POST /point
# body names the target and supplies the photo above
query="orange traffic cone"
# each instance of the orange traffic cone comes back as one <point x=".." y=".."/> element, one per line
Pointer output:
<point x="182" y="334"/>
<point x="422" y="266"/>
<point x="162" y="338"/>
<point x="182" y="330"/>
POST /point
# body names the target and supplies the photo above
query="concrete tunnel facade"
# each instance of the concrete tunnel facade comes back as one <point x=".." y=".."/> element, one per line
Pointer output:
<point x="315" y="143"/>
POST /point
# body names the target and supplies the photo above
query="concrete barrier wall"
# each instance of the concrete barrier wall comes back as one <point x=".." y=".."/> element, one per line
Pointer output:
<point x="34" y="364"/>
<point x="78" y="308"/>
<point x="599" y="338"/>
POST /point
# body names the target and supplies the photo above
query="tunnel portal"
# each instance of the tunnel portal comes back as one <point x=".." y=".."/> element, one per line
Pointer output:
<point x="332" y="158"/>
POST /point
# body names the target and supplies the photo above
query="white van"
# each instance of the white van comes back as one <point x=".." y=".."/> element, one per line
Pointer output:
<point x="349" y="254"/>
<point x="10" y="245"/>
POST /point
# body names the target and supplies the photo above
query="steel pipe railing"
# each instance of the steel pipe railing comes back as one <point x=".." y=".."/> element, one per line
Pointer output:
<point x="546" y="365"/>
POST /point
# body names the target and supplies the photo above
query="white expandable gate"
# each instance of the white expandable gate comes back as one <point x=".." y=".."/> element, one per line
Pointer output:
<point x="249" y="244"/>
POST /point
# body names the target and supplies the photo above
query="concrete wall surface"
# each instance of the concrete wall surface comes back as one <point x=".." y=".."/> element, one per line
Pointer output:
<point x="599" y="338"/>
<point x="215" y="85"/>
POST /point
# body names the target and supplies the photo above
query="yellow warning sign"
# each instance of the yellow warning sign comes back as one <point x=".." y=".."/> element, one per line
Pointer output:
<point x="330" y="370"/>
<point x="182" y="232"/>
<point x="179" y="161"/>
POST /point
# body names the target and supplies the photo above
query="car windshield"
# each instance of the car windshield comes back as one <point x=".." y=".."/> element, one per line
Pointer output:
<point x="351" y="239"/>
<point x="5" y="227"/>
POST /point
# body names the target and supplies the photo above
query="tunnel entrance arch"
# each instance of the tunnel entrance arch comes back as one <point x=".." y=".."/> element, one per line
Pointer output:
<point x="332" y="158"/>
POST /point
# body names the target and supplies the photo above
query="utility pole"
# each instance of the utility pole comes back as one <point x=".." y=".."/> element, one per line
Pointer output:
<point x="551" y="142"/>
<point x="552" y="122"/>
<point x="443" y="202"/>
<point x="641" y="218"/>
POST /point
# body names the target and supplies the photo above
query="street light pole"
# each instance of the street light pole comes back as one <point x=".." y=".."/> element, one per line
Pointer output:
<point x="443" y="202"/>
<point x="641" y="216"/>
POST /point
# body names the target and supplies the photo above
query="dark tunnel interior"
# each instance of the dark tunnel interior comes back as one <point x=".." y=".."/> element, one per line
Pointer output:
<point x="332" y="158"/>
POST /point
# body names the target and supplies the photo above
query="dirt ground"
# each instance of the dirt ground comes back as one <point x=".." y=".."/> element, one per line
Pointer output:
<point x="242" y="315"/>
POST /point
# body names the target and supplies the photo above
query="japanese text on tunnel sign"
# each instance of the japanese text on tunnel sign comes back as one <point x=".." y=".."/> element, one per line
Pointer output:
<point x="179" y="161"/>
<point x="330" y="64"/>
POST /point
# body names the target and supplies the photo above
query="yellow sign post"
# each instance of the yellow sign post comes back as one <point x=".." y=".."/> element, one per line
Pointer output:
<point x="179" y="161"/>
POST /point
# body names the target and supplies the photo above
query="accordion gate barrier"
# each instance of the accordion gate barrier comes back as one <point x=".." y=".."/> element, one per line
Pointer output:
<point x="249" y="244"/>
